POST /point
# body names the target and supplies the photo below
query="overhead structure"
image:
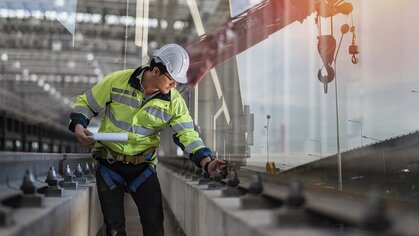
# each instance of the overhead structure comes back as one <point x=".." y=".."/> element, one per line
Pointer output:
<point x="256" y="24"/>
<point x="243" y="31"/>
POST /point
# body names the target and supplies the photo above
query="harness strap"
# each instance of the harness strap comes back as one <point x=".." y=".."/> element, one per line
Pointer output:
<point x="112" y="178"/>
<point x="137" y="182"/>
<point x="100" y="151"/>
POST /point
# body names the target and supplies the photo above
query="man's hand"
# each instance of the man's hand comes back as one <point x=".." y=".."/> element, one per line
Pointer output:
<point x="214" y="165"/>
<point x="82" y="135"/>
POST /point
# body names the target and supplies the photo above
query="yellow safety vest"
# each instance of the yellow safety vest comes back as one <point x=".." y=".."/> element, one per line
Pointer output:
<point x="127" y="111"/>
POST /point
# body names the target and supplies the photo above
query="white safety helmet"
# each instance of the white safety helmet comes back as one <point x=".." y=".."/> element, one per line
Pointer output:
<point x="176" y="60"/>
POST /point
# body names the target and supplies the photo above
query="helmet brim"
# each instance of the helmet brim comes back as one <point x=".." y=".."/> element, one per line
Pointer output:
<point x="180" y="79"/>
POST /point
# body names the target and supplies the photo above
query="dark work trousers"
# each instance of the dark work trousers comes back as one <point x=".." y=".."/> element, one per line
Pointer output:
<point x="148" y="199"/>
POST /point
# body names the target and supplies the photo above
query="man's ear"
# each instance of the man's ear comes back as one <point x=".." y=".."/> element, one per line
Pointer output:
<point x="156" y="71"/>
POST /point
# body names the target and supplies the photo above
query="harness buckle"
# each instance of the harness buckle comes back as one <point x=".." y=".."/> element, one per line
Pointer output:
<point x="125" y="161"/>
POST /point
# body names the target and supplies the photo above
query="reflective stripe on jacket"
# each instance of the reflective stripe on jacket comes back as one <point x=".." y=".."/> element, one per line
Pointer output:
<point x="126" y="110"/>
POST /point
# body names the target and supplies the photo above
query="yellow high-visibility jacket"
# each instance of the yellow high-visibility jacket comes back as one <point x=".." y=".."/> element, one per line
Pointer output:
<point x="127" y="111"/>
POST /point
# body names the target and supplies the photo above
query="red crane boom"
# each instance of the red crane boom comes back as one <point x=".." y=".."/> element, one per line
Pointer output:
<point x="243" y="31"/>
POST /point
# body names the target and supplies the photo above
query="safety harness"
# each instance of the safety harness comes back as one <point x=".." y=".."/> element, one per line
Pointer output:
<point x="112" y="178"/>
<point x="100" y="151"/>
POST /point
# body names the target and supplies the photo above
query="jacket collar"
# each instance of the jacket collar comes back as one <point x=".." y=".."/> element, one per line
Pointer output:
<point x="134" y="82"/>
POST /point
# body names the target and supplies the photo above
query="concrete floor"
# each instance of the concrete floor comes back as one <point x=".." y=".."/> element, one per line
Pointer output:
<point x="133" y="225"/>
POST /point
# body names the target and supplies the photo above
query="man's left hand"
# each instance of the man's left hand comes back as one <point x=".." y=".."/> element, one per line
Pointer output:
<point x="218" y="164"/>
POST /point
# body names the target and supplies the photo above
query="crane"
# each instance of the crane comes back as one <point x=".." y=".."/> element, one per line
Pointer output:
<point x="256" y="24"/>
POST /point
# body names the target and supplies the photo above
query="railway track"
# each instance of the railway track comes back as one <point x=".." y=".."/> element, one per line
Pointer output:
<point x="300" y="204"/>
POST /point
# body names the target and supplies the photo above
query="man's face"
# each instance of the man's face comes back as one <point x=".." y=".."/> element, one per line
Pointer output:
<point x="166" y="83"/>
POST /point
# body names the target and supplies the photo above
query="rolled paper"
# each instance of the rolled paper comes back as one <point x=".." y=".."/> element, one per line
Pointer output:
<point x="118" y="137"/>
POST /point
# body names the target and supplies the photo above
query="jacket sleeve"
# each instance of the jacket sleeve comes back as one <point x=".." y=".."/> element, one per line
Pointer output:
<point x="184" y="134"/>
<point x="91" y="103"/>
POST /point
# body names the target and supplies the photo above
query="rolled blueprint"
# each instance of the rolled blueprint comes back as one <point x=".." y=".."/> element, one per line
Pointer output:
<point x="118" y="137"/>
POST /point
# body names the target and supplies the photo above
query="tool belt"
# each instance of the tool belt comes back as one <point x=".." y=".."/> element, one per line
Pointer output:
<point x="100" y="151"/>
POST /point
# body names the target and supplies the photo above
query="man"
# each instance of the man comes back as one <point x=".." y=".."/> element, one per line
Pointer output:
<point x="140" y="102"/>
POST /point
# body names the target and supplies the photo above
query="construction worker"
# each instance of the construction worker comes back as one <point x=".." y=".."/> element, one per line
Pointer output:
<point x="139" y="102"/>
